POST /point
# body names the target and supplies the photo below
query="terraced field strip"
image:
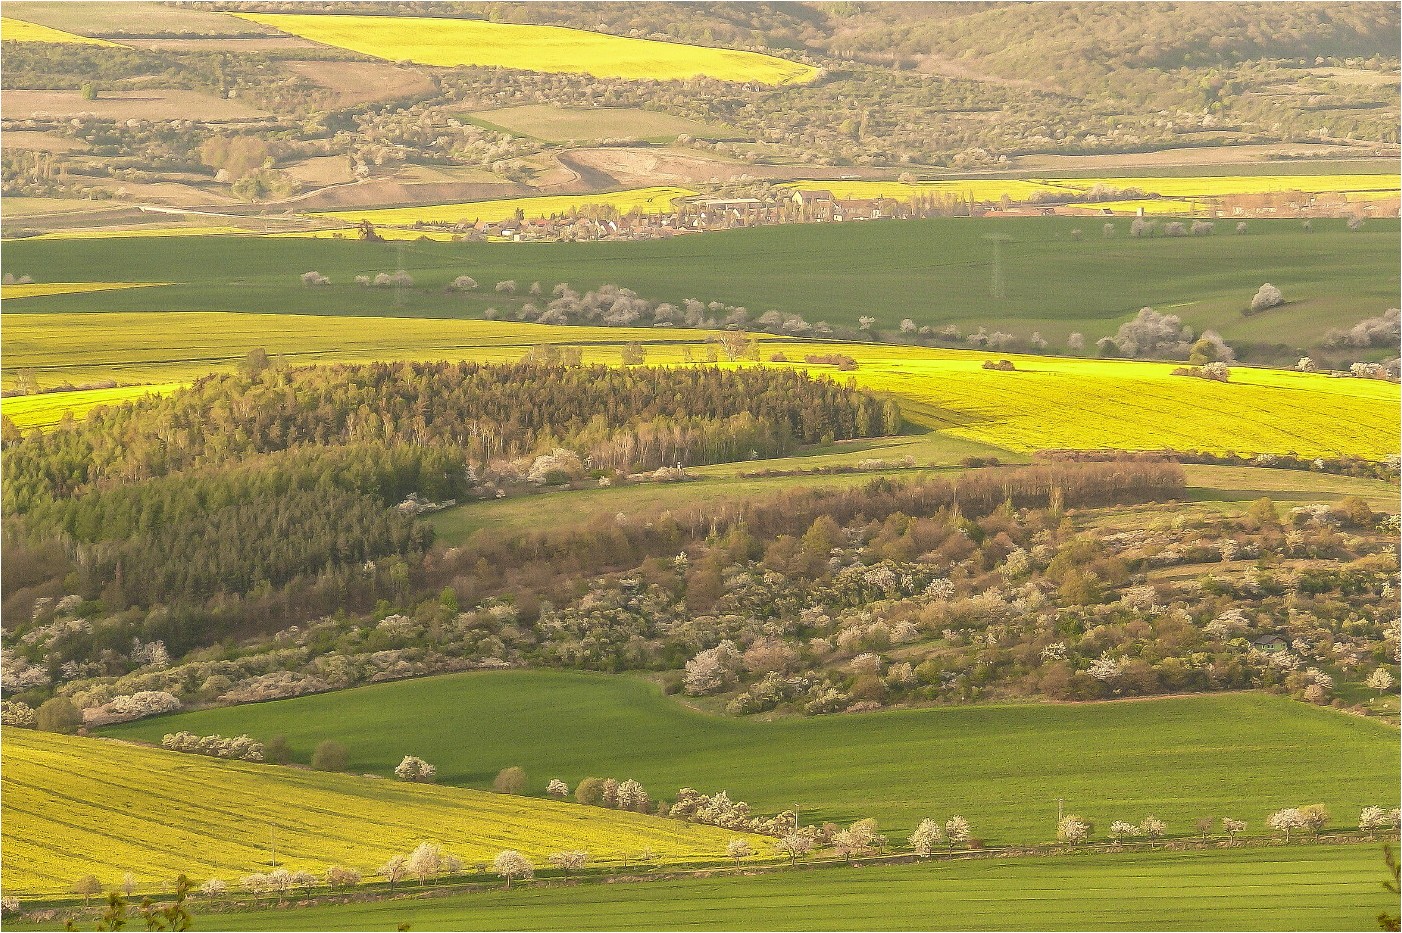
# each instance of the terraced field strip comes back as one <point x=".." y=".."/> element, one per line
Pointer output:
<point x="1001" y="767"/>
<point x="1299" y="888"/>
<point x="48" y="409"/>
<point x="1048" y="402"/>
<point x="40" y="289"/>
<point x="17" y="30"/>
<point x="450" y="43"/>
<point x="75" y="806"/>
<point x="645" y="200"/>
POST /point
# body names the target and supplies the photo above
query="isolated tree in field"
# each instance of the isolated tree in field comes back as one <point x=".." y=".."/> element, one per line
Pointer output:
<point x="311" y="279"/>
<point x="557" y="789"/>
<point x="632" y="796"/>
<point x="1203" y="826"/>
<point x="1241" y="226"/>
<point x="738" y="849"/>
<point x="795" y="845"/>
<point x="58" y="715"/>
<point x="415" y="769"/>
<point x="512" y="864"/>
<point x="1076" y="342"/>
<point x="1267" y="296"/>
<point x="1286" y="820"/>
<point x="277" y="751"/>
<point x="866" y="322"/>
<point x="128" y="884"/>
<point x="1355" y="223"/>
<point x="88" y="885"/>
<point x="927" y="835"/>
<point x="1315" y="816"/>
<point x="394" y="870"/>
<point x="908" y="326"/>
<point x="1380" y="680"/>
<point x="510" y="781"/>
<point x="255" y="884"/>
<point x="1153" y="828"/>
<point x="425" y="861"/>
<point x="330" y="755"/>
<point x="633" y="354"/>
<point x="957" y="831"/>
<point x="1120" y="831"/>
<point x="507" y="287"/>
<point x="214" y="887"/>
<point x="1072" y="830"/>
<point x="1232" y="828"/>
<point x="566" y="862"/>
<point x="464" y="283"/>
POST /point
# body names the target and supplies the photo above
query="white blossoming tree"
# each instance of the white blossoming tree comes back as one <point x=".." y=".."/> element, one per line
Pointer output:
<point x="510" y="864"/>
<point x="926" y="836"/>
<point x="1286" y="820"/>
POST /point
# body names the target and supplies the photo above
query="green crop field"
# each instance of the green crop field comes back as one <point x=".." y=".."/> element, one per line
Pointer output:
<point x="75" y="806"/>
<point x="1300" y="888"/>
<point x="451" y="42"/>
<point x="1002" y="767"/>
<point x="1046" y="403"/>
<point x="934" y="271"/>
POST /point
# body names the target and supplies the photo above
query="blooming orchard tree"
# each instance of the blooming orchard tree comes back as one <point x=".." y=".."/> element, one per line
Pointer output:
<point x="1120" y="831"/>
<point x="1380" y="680"/>
<point x="1232" y="828"/>
<point x="1375" y="819"/>
<point x="425" y="861"/>
<point x="572" y="860"/>
<point x="795" y="846"/>
<point x="340" y="877"/>
<point x="214" y="887"/>
<point x="1072" y="830"/>
<point x="1153" y="828"/>
<point x="1283" y="821"/>
<point x="557" y="788"/>
<point x="415" y="769"/>
<point x="957" y="831"/>
<point x="394" y="870"/>
<point x="738" y="849"/>
<point x="1316" y="817"/>
<point x="1267" y="296"/>
<point x="926" y="836"/>
<point x="511" y="864"/>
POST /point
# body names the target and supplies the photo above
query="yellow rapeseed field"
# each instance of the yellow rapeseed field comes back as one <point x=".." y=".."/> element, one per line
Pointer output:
<point x="40" y="289"/>
<point x="453" y="42"/>
<point x="1047" y="402"/>
<point x="1180" y="192"/>
<point x="82" y="234"/>
<point x="78" y="806"/>
<point x="48" y="409"/>
<point x="16" y="30"/>
<point x="648" y="200"/>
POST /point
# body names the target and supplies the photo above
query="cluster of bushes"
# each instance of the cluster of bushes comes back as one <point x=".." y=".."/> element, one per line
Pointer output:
<point x="240" y="747"/>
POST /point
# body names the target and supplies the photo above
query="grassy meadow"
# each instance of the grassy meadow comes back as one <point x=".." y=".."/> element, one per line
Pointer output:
<point x="936" y="272"/>
<point x="1306" y="887"/>
<point x="75" y="806"/>
<point x="40" y="289"/>
<point x="1001" y="767"/>
<point x="450" y="43"/>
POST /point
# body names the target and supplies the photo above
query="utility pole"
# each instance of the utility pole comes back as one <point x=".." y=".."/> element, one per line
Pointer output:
<point x="272" y="834"/>
<point x="1059" y="802"/>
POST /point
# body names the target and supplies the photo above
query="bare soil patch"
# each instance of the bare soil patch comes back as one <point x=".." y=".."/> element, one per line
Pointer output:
<point x="364" y="82"/>
<point x="322" y="170"/>
<point x="163" y="104"/>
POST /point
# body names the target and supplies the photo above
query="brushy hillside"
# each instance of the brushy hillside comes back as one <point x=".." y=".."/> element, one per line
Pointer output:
<point x="76" y="806"/>
<point x="1001" y="767"/>
<point x="1319" y="887"/>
